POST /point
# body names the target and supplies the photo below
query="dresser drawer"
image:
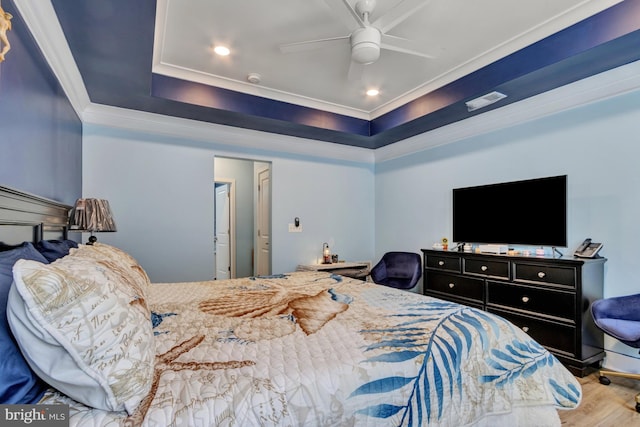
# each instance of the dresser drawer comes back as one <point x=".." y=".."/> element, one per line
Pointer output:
<point x="443" y="262"/>
<point x="486" y="267"/>
<point x="457" y="286"/>
<point x="461" y="301"/>
<point x="540" y="273"/>
<point x="554" y="336"/>
<point x="547" y="297"/>
<point x="539" y="301"/>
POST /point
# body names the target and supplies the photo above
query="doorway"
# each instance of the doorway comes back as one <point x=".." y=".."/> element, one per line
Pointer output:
<point x="248" y="184"/>
<point x="224" y="228"/>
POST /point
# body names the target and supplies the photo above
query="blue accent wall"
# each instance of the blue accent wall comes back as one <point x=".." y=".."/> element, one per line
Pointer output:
<point x="40" y="132"/>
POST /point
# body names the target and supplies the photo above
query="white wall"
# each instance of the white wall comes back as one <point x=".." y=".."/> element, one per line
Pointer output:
<point x="334" y="202"/>
<point x="595" y="145"/>
<point x="404" y="204"/>
<point x="161" y="197"/>
<point x="160" y="190"/>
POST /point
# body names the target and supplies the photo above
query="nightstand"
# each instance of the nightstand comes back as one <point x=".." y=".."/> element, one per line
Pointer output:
<point x="355" y="270"/>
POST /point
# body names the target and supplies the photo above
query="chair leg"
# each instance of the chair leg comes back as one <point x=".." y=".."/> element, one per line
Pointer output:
<point x="604" y="373"/>
<point x="606" y="381"/>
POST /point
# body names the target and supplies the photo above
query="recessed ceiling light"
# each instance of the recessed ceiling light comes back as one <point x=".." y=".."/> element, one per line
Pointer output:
<point x="222" y="50"/>
<point x="372" y="92"/>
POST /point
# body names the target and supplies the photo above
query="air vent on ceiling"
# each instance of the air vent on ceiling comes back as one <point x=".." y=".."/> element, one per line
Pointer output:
<point x="484" y="100"/>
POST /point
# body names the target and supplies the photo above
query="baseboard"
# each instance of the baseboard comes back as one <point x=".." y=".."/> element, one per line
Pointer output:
<point x="621" y="362"/>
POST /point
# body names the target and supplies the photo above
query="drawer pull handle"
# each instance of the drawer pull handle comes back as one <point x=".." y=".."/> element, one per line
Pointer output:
<point x="541" y="275"/>
<point x="525" y="328"/>
<point x="484" y="268"/>
<point x="440" y="262"/>
<point x="452" y="285"/>
<point x="525" y="299"/>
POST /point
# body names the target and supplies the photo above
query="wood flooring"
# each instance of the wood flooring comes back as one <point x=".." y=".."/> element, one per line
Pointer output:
<point x="604" y="406"/>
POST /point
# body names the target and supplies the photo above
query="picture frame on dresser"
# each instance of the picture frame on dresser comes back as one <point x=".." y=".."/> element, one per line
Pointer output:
<point x="548" y="298"/>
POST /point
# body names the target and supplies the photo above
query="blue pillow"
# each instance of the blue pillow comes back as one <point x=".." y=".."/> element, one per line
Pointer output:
<point x="54" y="249"/>
<point x="18" y="383"/>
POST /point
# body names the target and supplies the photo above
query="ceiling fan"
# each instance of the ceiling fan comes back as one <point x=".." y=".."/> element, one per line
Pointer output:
<point x="367" y="38"/>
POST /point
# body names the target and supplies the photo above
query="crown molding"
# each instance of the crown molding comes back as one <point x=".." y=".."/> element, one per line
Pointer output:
<point x="579" y="12"/>
<point x="39" y="15"/>
<point x="599" y="87"/>
<point x="50" y="38"/>
<point x="177" y="72"/>
<point x="221" y="136"/>
<point x="529" y="36"/>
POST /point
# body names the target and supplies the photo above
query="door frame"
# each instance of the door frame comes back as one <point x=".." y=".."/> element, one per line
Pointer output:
<point x="232" y="221"/>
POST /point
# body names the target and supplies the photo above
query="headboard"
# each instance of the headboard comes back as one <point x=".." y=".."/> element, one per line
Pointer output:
<point x="27" y="217"/>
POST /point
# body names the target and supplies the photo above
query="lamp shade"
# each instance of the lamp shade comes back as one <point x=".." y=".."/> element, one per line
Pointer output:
<point x="92" y="215"/>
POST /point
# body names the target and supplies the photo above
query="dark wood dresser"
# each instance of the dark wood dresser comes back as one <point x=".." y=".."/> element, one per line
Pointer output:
<point x="549" y="298"/>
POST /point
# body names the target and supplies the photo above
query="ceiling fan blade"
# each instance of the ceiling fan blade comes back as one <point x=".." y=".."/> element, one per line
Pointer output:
<point x="343" y="10"/>
<point x="399" y="13"/>
<point x="410" y="47"/>
<point x="356" y="70"/>
<point x="312" y="44"/>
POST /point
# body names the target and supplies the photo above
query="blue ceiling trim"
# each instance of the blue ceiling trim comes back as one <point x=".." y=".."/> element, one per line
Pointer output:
<point x="114" y="54"/>
<point x="566" y="45"/>
<point x="224" y="99"/>
<point x="605" y="57"/>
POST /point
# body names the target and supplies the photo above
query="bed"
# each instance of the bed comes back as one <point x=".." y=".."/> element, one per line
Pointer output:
<point x="292" y="349"/>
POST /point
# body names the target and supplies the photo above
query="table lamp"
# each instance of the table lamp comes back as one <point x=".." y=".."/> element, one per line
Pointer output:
<point x="91" y="215"/>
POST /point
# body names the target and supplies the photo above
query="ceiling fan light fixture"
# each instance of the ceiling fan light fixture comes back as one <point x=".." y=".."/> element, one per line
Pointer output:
<point x="365" y="45"/>
<point x="365" y="53"/>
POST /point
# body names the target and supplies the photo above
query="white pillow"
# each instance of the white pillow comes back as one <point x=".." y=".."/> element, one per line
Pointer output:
<point x="115" y="258"/>
<point x="83" y="330"/>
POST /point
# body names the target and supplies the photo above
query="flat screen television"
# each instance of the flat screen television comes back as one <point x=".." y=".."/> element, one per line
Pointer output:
<point x="530" y="212"/>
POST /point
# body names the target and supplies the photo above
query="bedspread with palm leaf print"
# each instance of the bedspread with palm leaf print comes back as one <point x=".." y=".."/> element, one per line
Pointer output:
<point x="312" y="349"/>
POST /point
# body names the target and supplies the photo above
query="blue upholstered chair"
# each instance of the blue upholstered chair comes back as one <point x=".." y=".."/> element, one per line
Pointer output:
<point x="619" y="317"/>
<point x="400" y="270"/>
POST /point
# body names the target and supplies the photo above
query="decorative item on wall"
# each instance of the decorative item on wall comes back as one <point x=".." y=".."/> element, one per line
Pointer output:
<point x="5" y="25"/>
<point x="92" y="215"/>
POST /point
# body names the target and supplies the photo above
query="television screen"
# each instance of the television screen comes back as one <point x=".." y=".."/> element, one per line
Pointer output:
<point x="531" y="212"/>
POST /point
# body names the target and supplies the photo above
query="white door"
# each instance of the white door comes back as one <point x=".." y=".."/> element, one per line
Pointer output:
<point x="222" y="246"/>
<point x="263" y="261"/>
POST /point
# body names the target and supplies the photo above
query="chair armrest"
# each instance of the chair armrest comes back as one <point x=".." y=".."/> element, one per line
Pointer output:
<point x="378" y="272"/>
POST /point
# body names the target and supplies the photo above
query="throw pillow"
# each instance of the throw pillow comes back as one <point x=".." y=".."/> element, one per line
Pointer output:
<point x="84" y="329"/>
